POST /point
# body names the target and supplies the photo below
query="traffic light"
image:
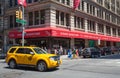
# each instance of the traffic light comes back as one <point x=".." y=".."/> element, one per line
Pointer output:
<point x="19" y="14"/>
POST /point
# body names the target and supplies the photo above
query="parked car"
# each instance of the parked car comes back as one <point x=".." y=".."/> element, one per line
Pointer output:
<point x="2" y="55"/>
<point x="106" y="51"/>
<point x="32" y="56"/>
<point x="91" y="52"/>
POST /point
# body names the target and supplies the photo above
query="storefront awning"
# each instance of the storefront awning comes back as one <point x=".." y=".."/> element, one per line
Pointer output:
<point x="60" y="32"/>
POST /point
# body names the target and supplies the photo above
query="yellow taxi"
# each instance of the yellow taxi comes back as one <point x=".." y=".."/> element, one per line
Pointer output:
<point x="32" y="56"/>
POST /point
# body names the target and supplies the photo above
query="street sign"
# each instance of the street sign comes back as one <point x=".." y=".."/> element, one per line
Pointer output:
<point x="23" y="22"/>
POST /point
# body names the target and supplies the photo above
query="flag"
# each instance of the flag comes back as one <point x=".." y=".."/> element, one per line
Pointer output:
<point x="76" y="4"/>
<point x="22" y="2"/>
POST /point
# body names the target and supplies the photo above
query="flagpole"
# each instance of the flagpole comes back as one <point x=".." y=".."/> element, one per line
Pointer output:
<point x="23" y="27"/>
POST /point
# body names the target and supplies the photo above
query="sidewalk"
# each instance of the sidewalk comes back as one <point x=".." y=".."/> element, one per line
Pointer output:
<point x="65" y="57"/>
<point x="2" y="60"/>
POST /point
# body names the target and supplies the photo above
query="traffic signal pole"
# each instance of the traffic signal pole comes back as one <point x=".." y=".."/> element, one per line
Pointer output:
<point x="23" y="27"/>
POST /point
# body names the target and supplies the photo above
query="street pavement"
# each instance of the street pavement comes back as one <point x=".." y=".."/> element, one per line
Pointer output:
<point x="104" y="67"/>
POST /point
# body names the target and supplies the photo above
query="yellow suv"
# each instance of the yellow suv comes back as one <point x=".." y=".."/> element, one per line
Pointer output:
<point x="32" y="56"/>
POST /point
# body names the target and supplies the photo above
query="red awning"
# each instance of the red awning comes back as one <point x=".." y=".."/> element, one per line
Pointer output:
<point x="60" y="32"/>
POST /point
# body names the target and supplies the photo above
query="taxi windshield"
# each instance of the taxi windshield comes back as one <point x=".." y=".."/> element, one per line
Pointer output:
<point x="40" y="51"/>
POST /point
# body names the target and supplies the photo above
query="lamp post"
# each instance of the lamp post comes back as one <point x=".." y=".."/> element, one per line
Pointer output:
<point x="23" y="27"/>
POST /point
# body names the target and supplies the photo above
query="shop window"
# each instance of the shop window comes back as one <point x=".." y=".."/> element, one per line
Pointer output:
<point x="36" y="19"/>
<point x="42" y="16"/>
<point x="30" y="18"/>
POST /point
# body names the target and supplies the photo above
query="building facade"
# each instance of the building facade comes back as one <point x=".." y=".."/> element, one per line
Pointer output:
<point x="2" y="26"/>
<point x="54" y="23"/>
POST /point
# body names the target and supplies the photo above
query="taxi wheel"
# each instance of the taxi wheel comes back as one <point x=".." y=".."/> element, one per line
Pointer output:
<point x="41" y="66"/>
<point x="12" y="64"/>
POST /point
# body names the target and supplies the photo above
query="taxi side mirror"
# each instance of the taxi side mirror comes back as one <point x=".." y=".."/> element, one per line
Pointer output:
<point x="32" y="53"/>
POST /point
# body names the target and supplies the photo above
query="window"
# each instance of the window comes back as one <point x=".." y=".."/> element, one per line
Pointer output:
<point x="107" y="4"/>
<point x="15" y="3"/>
<point x="100" y="13"/>
<point x="63" y="1"/>
<point x="118" y="32"/>
<point x="67" y="20"/>
<point x="75" y="18"/>
<point x="30" y="18"/>
<point x="42" y="16"/>
<point x="100" y="2"/>
<point x="36" y="19"/>
<point x="35" y="0"/>
<point x="57" y="17"/>
<point x="118" y="21"/>
<point x="108" y="31"/>
<point x="20" y="50"/>
<point x="78" y="22"/>
<point x="68" y="2"/>
<point x="107" y="16"/>
<point x="88" y="8"/>
<point x="10" y="3"/>
<point x="0" y="9"/>
<point x="100" y="28"/>
<point x="0" y="23"/>
<point x="62" y="18"/>
<point x="91" y="25"/>
<point x="12" y="50"/>
<point x="11" y="21"/>
<point x="29" y="1"/>
<point x="82" y="6"/>
<point x="27" y="50"/>
<point x="114" y="31"/>
<point x="113" y="19"/>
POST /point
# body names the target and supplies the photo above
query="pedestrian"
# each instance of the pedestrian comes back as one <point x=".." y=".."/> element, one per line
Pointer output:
<point x="74" y="53"/>
<point x="69" y="54"/>
<point x="56" y="51"/>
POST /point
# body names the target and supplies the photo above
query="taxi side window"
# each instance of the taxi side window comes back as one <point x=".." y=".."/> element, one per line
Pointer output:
<point x="27" y="50"/>
<point x="20" y="50"/>
<point x="12" y="50"/>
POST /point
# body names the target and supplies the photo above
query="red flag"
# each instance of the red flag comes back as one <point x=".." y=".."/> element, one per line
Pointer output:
<point x="76" y="4"/>
<point x="22" y="2"/>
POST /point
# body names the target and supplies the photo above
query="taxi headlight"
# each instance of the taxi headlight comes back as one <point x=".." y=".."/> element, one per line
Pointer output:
<point x="52" y="58"/>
